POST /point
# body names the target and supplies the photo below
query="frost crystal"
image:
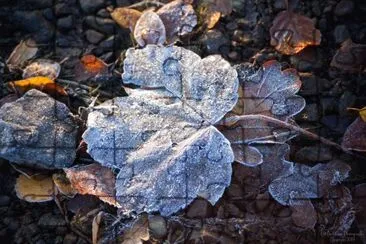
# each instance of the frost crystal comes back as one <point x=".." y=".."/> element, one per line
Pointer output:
<point x="162" y="139"/>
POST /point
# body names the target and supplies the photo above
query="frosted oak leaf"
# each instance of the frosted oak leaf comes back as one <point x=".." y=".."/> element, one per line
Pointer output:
<point x="162" y="139"/>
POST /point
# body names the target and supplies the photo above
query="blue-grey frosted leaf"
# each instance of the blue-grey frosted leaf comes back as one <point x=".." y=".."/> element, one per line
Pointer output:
<point x="270" y="92"/>
<point x="163" y="140"/>
<point x="178" y="17"/>
<point x="149" y="29"/>
<point x="36" y="130"/>
<point x="306" y="182"/>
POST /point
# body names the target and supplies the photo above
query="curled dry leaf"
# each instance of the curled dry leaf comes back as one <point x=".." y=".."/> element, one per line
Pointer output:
<point x="89" y="67"/>
<point x="63" y="185"/>
<point x="163" y="139"/>
<point x="126" y="17"/>
<point x="39" y="188"/>
<point x="268" y="92"/>
<point x="93" y="179"/>
<point x="149" y="29"/>
<point x="178" y="17"/>
<point x="354" y="137"/>
<point x="291" y="33"/>
<point x="209" y="15"/>
<point x="24" y="51"/>
<point x="40" y="83"/>
<point x="42" y="67"/>
<point x="350" y="57"/>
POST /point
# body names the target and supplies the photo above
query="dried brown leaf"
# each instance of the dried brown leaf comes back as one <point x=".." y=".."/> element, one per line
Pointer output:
<point x="24" y="51"/>
<point x="126" y="17"/>
<point x="209" y="16"/>
<point x="93" y="179"/>
<point x="291" y="33"/>
<point x="39" y="188"/>
<point x="354" y="137"/>
<point x="350" y="57"/>
<point x="42" y="67"/>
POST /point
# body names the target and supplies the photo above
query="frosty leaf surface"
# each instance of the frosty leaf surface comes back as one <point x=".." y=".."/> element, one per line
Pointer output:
<point x="269" y="91"/>
<point x="162" y="139"/>
<point x="178" y="17"/>
<point x="306" y="182"/>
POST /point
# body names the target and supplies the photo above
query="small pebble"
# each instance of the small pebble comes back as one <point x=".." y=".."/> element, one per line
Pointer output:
<point x="344" y="7"/>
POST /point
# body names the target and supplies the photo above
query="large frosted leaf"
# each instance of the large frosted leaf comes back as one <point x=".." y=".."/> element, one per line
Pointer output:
<point x="270" y="92"/>
<point x="162" y="139"/>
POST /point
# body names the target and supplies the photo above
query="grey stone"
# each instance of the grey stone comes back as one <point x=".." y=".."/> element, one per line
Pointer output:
<point x="100" y="24"/>
<point x="314" y="154"/>
<point x="108" y="43"/>
<point x="35" y="23"/>
<point x="344" y="7"/>
<point x="51" y="221"/>
<point x="347" y="100"/>
<point x="70" y="238"/>
<point x="340" y="33"/>
<point x="90" y="6"/>
<point x="213" y="40"/>
<point x="4" y="200"/>
<point x="149" y="29"/>
<point x="37" y="130"/>
<point x="162" y="139"/>
<point x="199" y="208"/>
<point x="93" y="36"/>
<point x="65" y="22"/>
<point x="62" y="9"/>
<point x="310" y="113"/>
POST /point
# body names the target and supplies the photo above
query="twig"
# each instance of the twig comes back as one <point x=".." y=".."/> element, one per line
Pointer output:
<point x="85" y="87"/>
<point x="235" y="119"/>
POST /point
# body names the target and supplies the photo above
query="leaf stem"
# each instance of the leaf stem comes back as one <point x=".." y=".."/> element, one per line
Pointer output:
<point x="235" y="119"/>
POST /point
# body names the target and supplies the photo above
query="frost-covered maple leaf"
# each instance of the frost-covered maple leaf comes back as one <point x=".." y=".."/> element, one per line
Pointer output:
<point x="162" y="139"/>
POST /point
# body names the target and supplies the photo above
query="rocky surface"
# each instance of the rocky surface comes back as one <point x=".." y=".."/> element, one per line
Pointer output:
<point x="36" y="130"/>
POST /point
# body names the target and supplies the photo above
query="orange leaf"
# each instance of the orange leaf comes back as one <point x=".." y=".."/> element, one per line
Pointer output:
<point x="292" y="32"/>
<point x="93" y="64"/>
<point x="93" y="179"/>
<point x="41" y="83"/>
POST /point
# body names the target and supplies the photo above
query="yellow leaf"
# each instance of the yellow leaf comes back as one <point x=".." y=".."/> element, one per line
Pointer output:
<point x="35" y="189"/>
<point x="361" y="112"/>
<point x="41" y="83"/>
<point x="209" y="16"/>
<point x="63" y="185"/>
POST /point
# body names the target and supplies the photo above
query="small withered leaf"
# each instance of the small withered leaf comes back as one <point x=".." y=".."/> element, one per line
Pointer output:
<point x="93" y="179"/>
<point x="126" y="17"/>
<point x="39" y="188"/>
<point x="42" y="67"/>
<point x="350" y="57"/>
<point x="292" y="32"/>
<point x="208" y="15"/>
<point x="40" y="83"/>
<point x="24" y="51"/>
<point x="149" y="29"/>
<point x="269" y="91"/>
<point x="88" y="67"/>
<point x="178" y="17"/>
<point x="354" y="137"/>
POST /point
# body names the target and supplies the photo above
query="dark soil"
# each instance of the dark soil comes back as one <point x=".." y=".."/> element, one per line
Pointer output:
<point x="68" y="28"/>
